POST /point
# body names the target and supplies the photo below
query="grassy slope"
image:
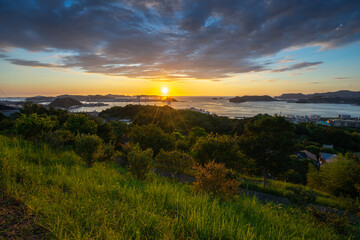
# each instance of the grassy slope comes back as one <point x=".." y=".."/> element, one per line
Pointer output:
<point x="279" y="188"/>
<point x="77" y="202"/>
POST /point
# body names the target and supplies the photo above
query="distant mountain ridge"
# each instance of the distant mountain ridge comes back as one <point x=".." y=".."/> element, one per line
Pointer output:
<point x="346" y="94"/>
<point x="77" y="97"/>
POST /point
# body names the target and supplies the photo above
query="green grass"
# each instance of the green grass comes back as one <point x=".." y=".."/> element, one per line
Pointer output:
<point x="74" y="201"/>
<point x="278" y="188"/>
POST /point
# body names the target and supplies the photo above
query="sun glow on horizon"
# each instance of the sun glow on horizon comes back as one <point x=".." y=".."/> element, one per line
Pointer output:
<point x="165" y="90"/>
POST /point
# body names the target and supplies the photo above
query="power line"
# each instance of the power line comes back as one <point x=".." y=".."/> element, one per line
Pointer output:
<point x="3" y="93"/>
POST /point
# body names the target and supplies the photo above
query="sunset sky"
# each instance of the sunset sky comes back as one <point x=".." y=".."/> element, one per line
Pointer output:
<point x="209" y="47"/>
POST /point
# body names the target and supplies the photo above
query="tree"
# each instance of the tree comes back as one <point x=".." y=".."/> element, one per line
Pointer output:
<point x="140" y="162"/>
<point x="33" y="126"/>
<point x="218" y="148"/>
<point x="339" y="177"/>
<point x="30" y="108"/>
<point x="196" y="133"/>
<point x="106" y="132"/>
<point x="151" y="136"/>
<point x="269" y="141"/>
<point x="89" y="147"/>
<point x="175" y="162"/>
<point x="80" y="123"/>
<point x="120" y="129"/>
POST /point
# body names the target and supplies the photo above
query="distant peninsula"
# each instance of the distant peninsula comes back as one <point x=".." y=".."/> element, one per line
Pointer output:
<point x="103" y="98"/>
<point x="343" y="96"/>
<point x="264" y="98"/>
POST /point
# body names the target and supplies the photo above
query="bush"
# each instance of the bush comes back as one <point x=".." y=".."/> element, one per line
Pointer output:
<point x="196" y="133"/>
<point x="339" y="177"/>
<point x="60" y="138"/>
<point x="140" y="162"/>
<point x="221" y="149"/>
<point x="299" y="196"/>
<point x="340" y="223"/>
<point x="213" y="179"/>
<point x="175" y="162"/>
<point x="80" y="123"/>
<point x="106" y="132"/>
<point x="89" y="147"/>
<point x="120" y="128"/>
<point x="183" y="145"/>
<point x="7" y="125"/>
<point x="33" y="126"/>
<point x="107" y="154"/>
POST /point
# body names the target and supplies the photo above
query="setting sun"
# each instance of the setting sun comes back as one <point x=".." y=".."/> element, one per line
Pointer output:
<point x="165" y="90"/>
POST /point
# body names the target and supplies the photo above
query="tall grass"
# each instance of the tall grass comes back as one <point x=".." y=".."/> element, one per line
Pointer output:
<point x="279" y="188"/>
<point x="74" y="201"/>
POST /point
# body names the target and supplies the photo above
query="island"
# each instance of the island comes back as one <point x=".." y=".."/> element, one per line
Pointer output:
<point x="264" y="98"/>
<point x="169" y="99"/>
<point x="65" y="102"/>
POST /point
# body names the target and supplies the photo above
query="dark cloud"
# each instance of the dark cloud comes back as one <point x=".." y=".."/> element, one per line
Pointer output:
<point x="297" y="66"/>
<point x="28" y="63"/>
<point x="174" y="39"/>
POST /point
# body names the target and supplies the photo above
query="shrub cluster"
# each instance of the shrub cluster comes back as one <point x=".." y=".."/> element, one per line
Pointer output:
<point x="89" y="147"/>
<point x="140" y="162"/>
<point x="340" y="223"/>
<point x="175" y="161"/>
<point x="340" y="177"/>
<point x="213" y="179"/>
<point x="299" y="196"/>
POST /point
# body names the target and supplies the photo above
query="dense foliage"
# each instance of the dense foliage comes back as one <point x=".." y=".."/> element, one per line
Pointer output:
<point x="33" y="126"/>
<point x="140" y="162"/>
<point x="170" y="119"/>
<point x="175" y="161"/>
<point x="268" y="140"/>
<point x="89" y="147"/>
<point x="219" y="148"/>
<point x="340" y="177"/>
<point x="213" y="179"/>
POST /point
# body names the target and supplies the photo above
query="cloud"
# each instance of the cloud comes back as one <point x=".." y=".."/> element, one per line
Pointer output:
<point x="297" y="66"/>
<point x="271" y="80"/>
<point x="286" y="60"/>
<point x="177" y="39"/>
<point x="341" y="78"/>
<point x="28" y="63"/>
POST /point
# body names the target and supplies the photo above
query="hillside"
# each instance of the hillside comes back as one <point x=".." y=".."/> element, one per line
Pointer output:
<point x="73" y="201"/>
<point x="65" y="102"/>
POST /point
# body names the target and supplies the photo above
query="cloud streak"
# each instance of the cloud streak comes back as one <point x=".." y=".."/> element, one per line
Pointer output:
<point x="28" y="63"/>
<point x="177" y="39"/>
<point x="297" y="66"/>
